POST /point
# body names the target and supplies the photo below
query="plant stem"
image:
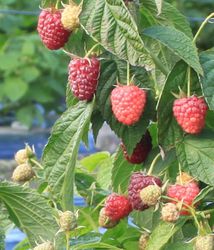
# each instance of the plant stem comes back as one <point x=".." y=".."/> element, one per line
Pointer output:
<point x="67" y="240"/>
<point x="153" y="164"/>
<point x="202" y="26"/>
<point x="37" y="163"/>
<point x="128" y="73"/>
<point x="159" y="64"/>
<point x="91" y="50"/>
<point x="57" y="4"/>
<point x="188" y="81"/>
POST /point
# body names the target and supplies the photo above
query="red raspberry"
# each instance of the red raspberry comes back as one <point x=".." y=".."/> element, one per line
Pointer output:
<point x="128" y="103"/>
<point x="138" y="181"/>
<point x="190" y="113"/>
<point x="117" y="207"/>
<point x="50" y="29"/>
<point x="183" y="194"/>
<point x="141" y="150"/>
<point x="83" y="77"/>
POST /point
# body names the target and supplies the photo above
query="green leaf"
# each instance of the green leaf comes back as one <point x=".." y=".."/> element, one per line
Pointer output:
<point x="71" y="100"/>
<point x="97" y="121"/>
<point x="31" y="211"/>
<point x="168" y="129"/>
<point x="207" y="81"/>
<point x="180" y="44"/>
<point x="93" y="161"/>
<point x="95" y="245"/>
<point x="59" y="157"/>
<point x="111" y="71"/>
<point x="122" y="171"/>
<point x="196" y="155"/>
<point x="159" y="4"/>
<point x="23" y="245"/>
<point x="9" y="61"/>
<point x="104" y="173"/>
<point x="15" y="88"/>
<point x="169" y="16"/>
<point x="110" y="23"/>
<point x="162" y="234"/>
<point x="179" y="246"/>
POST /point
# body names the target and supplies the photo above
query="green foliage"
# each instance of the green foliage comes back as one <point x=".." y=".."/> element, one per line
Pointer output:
<point x="151" y="46"/>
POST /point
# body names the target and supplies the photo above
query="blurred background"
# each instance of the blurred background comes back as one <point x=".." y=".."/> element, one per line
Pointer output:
<point x="33" y="81"/>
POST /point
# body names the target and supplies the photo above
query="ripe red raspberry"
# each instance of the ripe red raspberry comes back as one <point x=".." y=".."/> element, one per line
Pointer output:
<point x="128" y="103"/>
<point x="141" y="150"/>
<point x="184" y="194"/>
<point x="138" y="181"/>
<point x="83" y="77"/>
<point x="190" y="113"/>
<point x="50" y="29"/>
<point x="117" y="207"/>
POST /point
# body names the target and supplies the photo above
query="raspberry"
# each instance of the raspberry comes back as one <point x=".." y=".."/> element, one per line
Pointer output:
<point x="128" y="103"/>
<point x="117" y="207"/>
<point x="70" y="17"/>
<point x="23" y="173"/>
<point x="50" y="29"/>
<point x="190" y="113"/>
<point x="184" y="178"/>
<point x="150" y="195"/>
<point x="23" y="155"/>
<point x="105" y="221"/>
<point x="170" y="212"/>
<point x="144" y="238"/>
<point x="67" y="221"/>
<point x="184" y="194"/>
<point x="138" y="181"/>
<point x="83" y="77"/>
<point x="141" y="150"/>
<point x="44" y="246"/>
<point x="204" y="242"/>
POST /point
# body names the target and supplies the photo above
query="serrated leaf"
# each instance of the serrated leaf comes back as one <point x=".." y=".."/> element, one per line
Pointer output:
<point x="71" y="100"/>
<point x="203" y="193"/>
<point x="196" y="155"/>
<point x="32" y="212"/>
<point x="59" y="157"/>
<point x="180" y="44"/>
<point x="169" y="16"/>
<point x="122" y="171"/>
<point x="207" y="81"/>
<point x="111" y="71"/>
<point x="162" y="234"/>
<point x="110" y="23"/>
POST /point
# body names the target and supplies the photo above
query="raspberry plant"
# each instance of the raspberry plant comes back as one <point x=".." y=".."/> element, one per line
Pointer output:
<point x="146" y="47"/>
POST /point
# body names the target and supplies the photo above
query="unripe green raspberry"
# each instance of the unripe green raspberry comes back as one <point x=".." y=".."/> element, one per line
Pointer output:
<point x="150" y="195"/>
<point x="105" y="221"/>
<point x="23" y="155"/>
<point x="70" y="17"/>
<point x="23" y="173"/>
<point x="170" y="212"/>
<point x="67" y="221"/>
<point x="44" y="246"/>
<point x="144" y="238"/>
<point x="204" y="242"/>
